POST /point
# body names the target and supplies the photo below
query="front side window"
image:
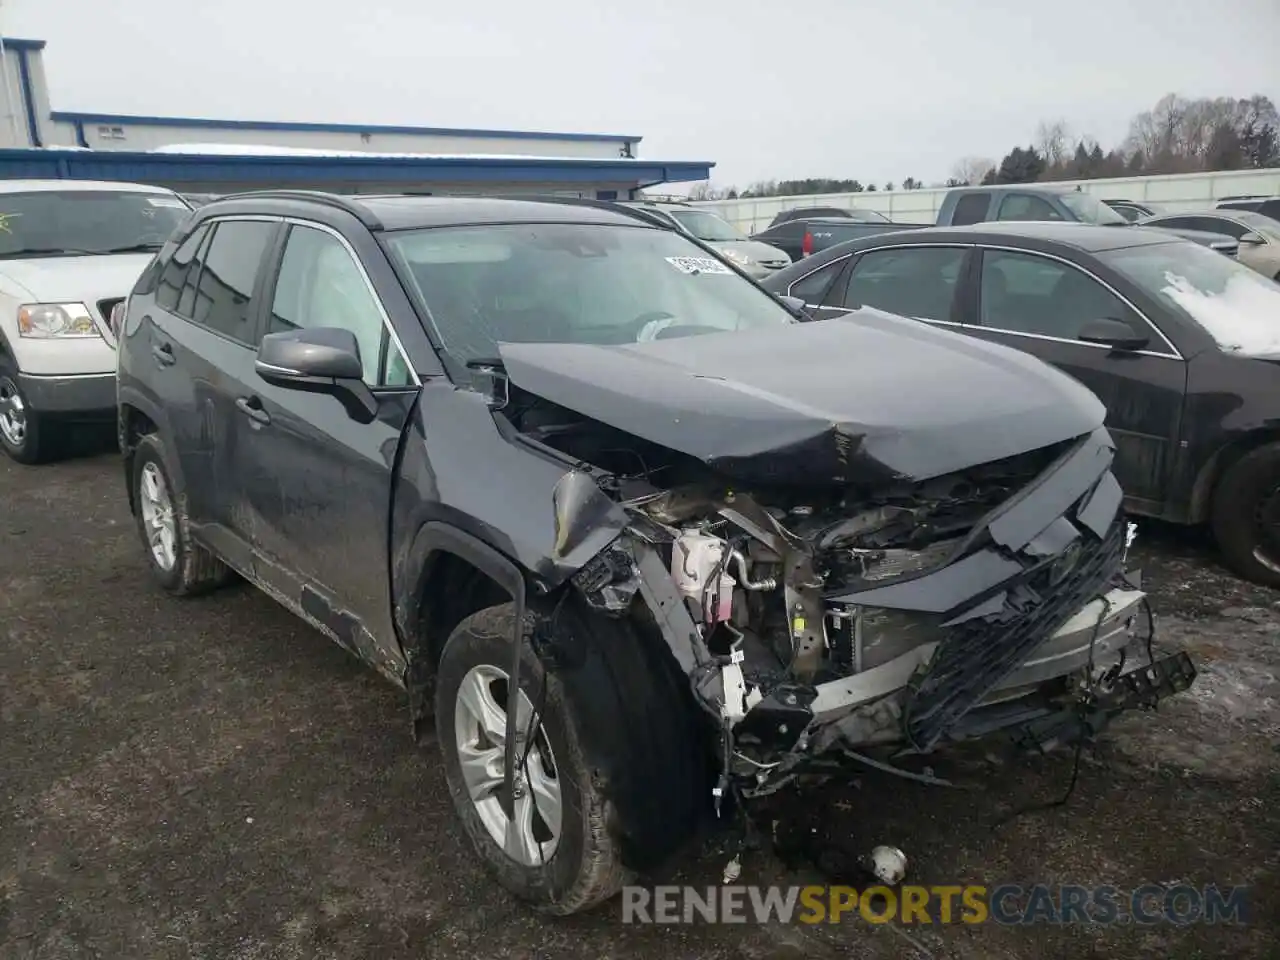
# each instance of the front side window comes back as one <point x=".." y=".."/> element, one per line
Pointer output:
<point x="572" y="283"/>
<point x="917" y="282"/>
<point x="86" y="222"/>
<point x="1237" y="306"/>
<point x="1025" y="293"/>
<point x="320" y="285"/>
<point x="224" y="290"/>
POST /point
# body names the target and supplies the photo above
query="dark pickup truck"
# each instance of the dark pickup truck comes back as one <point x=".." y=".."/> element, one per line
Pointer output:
<point x="968" y="205"/>
<point x="799" y="238"/>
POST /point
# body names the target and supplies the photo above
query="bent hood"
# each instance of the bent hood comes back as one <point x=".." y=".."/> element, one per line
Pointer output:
<point x="860" y="398"/>
<point x="77" y="279"/>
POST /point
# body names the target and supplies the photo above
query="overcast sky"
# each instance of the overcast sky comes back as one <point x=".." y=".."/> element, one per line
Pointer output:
<point x="874" y="89"/>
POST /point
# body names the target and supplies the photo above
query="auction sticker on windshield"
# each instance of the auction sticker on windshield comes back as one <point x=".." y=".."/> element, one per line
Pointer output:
<point x="698" y="265"/>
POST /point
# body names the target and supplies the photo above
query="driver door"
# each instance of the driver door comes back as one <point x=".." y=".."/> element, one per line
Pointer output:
<point x="318" y="483"/>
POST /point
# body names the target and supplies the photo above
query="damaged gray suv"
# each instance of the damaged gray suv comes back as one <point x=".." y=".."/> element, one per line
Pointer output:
<point x="632" y="539"/>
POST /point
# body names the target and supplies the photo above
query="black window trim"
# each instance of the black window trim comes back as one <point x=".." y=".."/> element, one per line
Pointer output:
<point x="276" y="258"/>
<point x="1174" y="353"/>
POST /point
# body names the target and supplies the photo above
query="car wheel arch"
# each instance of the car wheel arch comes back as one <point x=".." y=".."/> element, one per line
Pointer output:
<point x="133" y="422"/>
<point x="1216" y="466"/>
<point x="447" y="575"/>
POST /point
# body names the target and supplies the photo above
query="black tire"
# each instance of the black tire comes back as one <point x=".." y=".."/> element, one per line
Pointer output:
<point x="1250" y="487"/>
<point x="625" y="746"/>
<point x="37" y="445"/>
<point x="195" y="570"/>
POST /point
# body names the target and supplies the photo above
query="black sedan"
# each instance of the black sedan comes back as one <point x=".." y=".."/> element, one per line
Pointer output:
<point x="1180" y="343"/>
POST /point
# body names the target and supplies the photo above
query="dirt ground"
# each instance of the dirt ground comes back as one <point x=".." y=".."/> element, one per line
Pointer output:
<point x="213" y="779"/>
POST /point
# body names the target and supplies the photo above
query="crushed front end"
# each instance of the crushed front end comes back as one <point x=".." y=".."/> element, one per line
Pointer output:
<point x="877" y="622"/>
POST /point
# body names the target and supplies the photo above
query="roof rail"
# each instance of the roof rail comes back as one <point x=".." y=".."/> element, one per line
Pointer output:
<point x="337" y="200"/>
<point x="613" y="206"/>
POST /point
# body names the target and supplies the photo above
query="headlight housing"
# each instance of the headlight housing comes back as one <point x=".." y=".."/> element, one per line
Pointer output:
<point x="737" y="256"/>
<point x="56" y="321"/>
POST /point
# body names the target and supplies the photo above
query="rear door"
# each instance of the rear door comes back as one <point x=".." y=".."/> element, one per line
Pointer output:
<point x="1038" y="303"/>
<point x="317" y="491"/>
<point x="202" y="339"/>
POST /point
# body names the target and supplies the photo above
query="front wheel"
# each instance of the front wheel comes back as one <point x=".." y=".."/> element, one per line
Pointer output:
<point x="557" y="851"/>
<point x="612" y="782"/>
<point x="1246" y="515"/>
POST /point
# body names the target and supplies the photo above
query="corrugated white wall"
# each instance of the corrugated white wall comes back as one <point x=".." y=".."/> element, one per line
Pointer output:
<point x="1183" y="191"/>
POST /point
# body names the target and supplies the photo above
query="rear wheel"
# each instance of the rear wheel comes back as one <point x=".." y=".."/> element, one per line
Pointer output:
<point x="1246" y="515"/>
<point x="602" y="777"/>
<point x="179" y="564"/>
<point x="23" y="432"/>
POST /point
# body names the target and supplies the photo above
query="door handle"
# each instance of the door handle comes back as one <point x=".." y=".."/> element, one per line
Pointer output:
<point x="251" y="407"/>
<point x="163" y="352"/>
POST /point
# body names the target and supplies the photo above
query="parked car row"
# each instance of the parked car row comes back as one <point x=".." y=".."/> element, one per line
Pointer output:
<point x="1181" y="344"/>
<point x="804" y="236"/>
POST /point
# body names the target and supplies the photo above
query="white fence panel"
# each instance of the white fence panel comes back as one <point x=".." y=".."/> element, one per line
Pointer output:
<point x="1180" y="191"/>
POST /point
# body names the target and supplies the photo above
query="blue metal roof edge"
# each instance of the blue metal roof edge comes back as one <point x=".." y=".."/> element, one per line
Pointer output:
<point x="70" y="116"/>
<point x="17" y="43"/>
<point x="179" y="167"/>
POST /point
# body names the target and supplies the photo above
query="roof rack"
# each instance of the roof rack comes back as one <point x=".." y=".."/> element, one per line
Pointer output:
<point x="336" y="200"/>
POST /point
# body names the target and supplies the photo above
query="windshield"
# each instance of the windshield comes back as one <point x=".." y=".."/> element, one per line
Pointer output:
<point x="1089" y="209"/>
<point x="1238" y="307"/>
<point x="572" y="283"/>
<point x="707" y="227"/>
<point x="80" y="222"/>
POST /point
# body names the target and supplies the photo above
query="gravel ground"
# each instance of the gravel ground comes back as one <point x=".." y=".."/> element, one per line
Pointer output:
<point x="213" y="779"/>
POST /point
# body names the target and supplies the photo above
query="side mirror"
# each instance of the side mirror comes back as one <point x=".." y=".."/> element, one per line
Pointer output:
<point x="794" y="304"/>
<point x="1253" y="239"/>
<point x="319" y="360"/>
<point x="1117" y="334"/>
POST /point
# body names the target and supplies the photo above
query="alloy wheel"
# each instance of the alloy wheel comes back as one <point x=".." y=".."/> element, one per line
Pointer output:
<point x="531" y="836"/>
<point x="157" y="516"/>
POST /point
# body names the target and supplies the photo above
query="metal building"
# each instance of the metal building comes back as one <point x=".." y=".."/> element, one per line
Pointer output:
<point x="200" y="155"/>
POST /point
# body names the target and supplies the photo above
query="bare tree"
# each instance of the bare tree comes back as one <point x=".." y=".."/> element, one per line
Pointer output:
<point x="1052" y="141"/>
<point x="971" y="170"/>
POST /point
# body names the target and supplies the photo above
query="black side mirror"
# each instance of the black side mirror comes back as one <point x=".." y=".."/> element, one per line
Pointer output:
<point x="319" y="360"/>
<point x="794" y="304"/>
<point x="1117" y="334"/>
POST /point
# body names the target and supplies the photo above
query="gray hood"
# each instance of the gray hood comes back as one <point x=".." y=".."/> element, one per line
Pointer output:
<point x="865" y="397"/>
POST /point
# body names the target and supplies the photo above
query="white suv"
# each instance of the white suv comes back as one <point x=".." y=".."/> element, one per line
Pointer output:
<point x="70" y="251"/>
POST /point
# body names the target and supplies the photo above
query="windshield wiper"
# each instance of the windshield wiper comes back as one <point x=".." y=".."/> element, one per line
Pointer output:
<point x="45" y="252"/>
<point x="149" y="245"/>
